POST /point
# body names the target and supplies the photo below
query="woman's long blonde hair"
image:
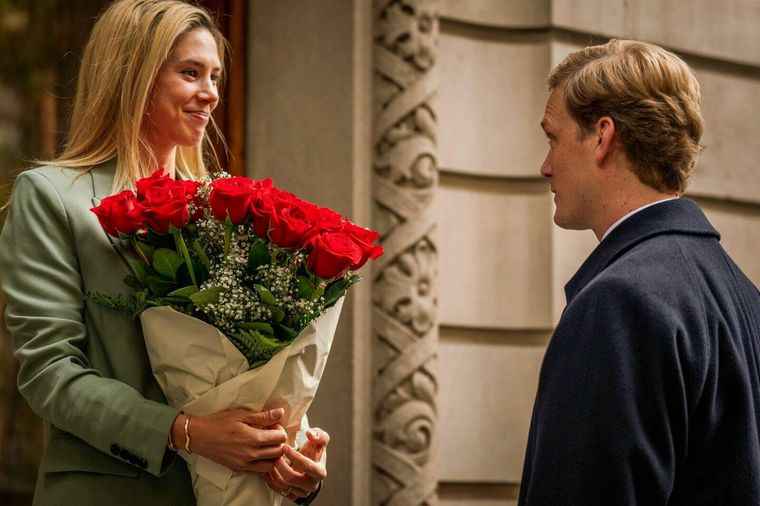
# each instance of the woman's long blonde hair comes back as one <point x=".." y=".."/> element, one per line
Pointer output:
<point x="128" y="46"/>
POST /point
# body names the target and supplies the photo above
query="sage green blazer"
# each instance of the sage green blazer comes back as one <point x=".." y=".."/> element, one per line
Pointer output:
<point x="83" y="367"/>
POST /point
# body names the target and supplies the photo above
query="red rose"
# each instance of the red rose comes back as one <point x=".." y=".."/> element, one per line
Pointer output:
<point x="264" y="205"/>
<point x="330" y="220"/>
<point x="119" y="213"/>
<point x="163" y="202"/>
<point x="158" y="179"/>
<point x="364" y="238"/>
<point x="297" y="221"/>
<point x="232" y="196"/>
<point x="332" y="254"/>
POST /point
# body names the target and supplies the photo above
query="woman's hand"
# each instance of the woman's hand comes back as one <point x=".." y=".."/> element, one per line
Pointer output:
<point x="298" y="473"/>
<point x="241" y="440"/>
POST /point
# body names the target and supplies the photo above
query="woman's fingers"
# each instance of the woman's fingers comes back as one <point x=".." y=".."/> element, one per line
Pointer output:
<point x="278" y="483"/>
<point x="302" y="467"/>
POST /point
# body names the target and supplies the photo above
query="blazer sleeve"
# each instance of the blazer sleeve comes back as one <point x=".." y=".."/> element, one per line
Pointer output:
<point x="610" y="413"/>
<point x="45" y="304"/>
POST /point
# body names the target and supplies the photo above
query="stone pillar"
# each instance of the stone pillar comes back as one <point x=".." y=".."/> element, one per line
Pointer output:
<point x="405" y="328"/>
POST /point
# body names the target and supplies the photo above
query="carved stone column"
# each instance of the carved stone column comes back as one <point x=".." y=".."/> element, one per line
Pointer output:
<point x="404" y="294"/>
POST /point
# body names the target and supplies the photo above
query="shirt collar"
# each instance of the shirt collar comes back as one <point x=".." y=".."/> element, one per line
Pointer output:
<point x="621" y="220"/>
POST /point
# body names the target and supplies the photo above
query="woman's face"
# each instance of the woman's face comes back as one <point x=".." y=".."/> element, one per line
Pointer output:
<point x="184" y="95"/>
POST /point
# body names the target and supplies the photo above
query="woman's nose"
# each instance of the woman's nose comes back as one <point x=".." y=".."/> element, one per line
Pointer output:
<point x="209" y="93"/>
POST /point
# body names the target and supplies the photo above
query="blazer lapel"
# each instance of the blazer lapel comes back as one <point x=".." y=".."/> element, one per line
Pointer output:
<point x="101" y="180"/>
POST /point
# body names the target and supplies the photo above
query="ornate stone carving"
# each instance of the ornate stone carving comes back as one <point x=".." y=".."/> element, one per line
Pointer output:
<point x="404" y="294"/>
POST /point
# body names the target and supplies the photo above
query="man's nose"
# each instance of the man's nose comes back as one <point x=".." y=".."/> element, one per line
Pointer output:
<point x="546" y="170"/>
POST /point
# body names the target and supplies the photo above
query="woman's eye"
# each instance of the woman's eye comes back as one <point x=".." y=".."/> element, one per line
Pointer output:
<point x="215" y="77"/>
<point x="190" y="72"/>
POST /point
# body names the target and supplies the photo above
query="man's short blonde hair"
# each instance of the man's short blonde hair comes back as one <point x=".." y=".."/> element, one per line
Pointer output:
<point x="652" y="96"/>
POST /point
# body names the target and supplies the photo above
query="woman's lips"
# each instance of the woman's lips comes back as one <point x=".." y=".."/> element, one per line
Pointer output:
<point x="198" y="115"/>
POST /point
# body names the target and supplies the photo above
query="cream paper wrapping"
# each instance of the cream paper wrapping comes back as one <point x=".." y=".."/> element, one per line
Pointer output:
<point x="201" y="372"/>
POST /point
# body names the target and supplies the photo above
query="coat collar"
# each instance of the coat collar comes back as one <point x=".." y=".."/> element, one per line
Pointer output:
<point x="680" y="216"/>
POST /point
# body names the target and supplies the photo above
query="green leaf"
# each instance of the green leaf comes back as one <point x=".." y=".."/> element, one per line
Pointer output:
<point x="258" y="255"/>
<point x="260" y="326"/>
<point x="132" y="282"/>
<point x="139" y="269"/>
<point x="166" y="262"/>
<point x="143" y="250"/>
<point x="266" y="296"/>
<point x="159" y="285"/>
<point x="338" y="289"/>
<point x="277" y="314"/>
<point x="142" y="295"/>
<point x="305" y="287"/>
<point x="256" y="347"/>
<point x="207" y="296"/>
<point x="201" y="253"/>
<point x="184" y="292"/>
<point x="284" y="333"/>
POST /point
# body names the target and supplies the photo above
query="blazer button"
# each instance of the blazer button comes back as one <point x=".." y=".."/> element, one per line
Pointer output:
<point x="124" y="454"/>
<point x="115" y="449"/>
<point x="143" y="463"/>
<point x="134" y="459"/>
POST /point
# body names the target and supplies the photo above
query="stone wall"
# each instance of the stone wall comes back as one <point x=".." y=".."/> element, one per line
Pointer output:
<point x="503" y="262"/>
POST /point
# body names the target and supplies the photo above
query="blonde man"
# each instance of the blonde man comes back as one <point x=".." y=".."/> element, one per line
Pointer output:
<point x="649" y="392"/>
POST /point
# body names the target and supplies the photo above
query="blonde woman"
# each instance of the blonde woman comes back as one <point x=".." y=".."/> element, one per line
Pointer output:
<point x="148" y="83"/>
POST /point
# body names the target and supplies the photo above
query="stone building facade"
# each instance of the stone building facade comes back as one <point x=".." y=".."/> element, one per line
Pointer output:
<point x="430" y="126"/>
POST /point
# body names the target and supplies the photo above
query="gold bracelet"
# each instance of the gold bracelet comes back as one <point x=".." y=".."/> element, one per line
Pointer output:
<point x="187" y="434"/>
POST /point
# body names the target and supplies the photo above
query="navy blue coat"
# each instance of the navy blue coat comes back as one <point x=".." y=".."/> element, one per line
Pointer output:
<point x="649" y="392"/>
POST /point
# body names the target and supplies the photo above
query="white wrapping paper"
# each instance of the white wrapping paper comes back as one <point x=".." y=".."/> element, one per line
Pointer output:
<point x="202" y="372"/>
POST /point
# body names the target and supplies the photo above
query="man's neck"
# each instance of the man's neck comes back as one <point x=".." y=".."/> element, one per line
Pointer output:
<point x="616" y="208"/>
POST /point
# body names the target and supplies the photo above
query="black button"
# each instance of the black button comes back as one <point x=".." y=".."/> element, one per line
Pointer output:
<point x="143" y="463"/>
<point x="124" y="453"/>
<point x="134" y="459"/>
<point x="115" y="449"/>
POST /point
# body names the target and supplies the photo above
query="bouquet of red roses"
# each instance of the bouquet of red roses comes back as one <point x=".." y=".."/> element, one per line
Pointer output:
<point x="252" y="260"/>
<point x="238" y="286"/>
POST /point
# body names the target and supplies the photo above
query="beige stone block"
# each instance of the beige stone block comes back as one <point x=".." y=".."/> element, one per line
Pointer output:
<point x="477" y="494"/>
<point x="726" y="29"/>
<point x="728" y="168"/>
<point x="560" y="49"/>
<point x="475" y="501"/>
<point x="485" y="401"/>
<point x="604" y="17"/>
<point x="739" y="227"/>
<point x="494" y="245"/>
<point x="505" y="13"/>
<point x="491" y="100"/>
<point x="570" y="248"/>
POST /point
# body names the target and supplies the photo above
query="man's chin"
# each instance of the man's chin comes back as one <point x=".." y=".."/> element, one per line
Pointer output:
<point x="568" y="224"/>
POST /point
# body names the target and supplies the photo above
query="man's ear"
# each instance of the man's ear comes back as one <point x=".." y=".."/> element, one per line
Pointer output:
<point x="604" y="132"/>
